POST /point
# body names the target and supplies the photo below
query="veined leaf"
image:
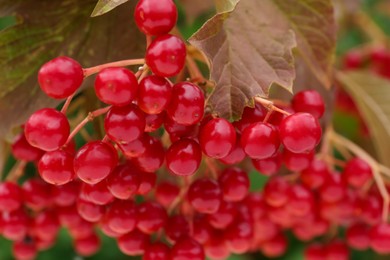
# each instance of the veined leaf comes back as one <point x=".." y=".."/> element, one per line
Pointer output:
<point x="104" y="6"/>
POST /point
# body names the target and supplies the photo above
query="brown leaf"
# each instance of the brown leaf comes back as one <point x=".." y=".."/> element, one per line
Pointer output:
<point x="194" y="8"/>
<point x="371" y="94"/>
<point x="104" y="6"/>
<point x="63" y="28"/>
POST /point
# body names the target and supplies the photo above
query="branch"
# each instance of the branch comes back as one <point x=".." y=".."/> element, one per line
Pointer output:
<point x="122" y="63"/>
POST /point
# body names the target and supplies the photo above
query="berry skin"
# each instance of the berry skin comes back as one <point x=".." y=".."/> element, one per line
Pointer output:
<point x="133" y="243"/>
<point x="47" y="129"/>
<point x="238" y="236"/>
<point x="300" y="132"/>
<point x="234" y="183"/>
<point x="176" y="227"/>
<point x="183" y="157"/>
<point x="236" y="155"/>
<point x="97" y="194"/>
<point x="90" y="211"/>
<point x="358" y="236"/>
<point x="276" y="192"/>
<point x="260" y="140"/>
<point x="56" y="167"/>
<point x="151" y="216"/>
<point x="187" y="248"/>
<point x="95" y="161"/>
<point x="15" y="224"/>
<point x="147" y="183"/>
<point x="380" y="238"/>
<point x="297" y="162"/>
<point x="205" y="196"/>
<point x="309" y="101"/>
<point x="87" y="246"/>
<point x="10" y="196"/>
<point x="224" y="216"/>
<point x="121" y="216"/>
<point x="166" y="193"/>
<point x="250" y="116"/>
<point x="155" y="17"/>
<point x="154" y="94"/>
<point x="46" y="225"/>
<point x="156" y="251"/>
<point x="268" y="166"/>
<point x="37" y="194"/>
<point x="60" y="77"/>
<point x="357" y="172"/>
<point x="187" y="104"/>
<point x="124" y="124"/>
<point x="22" y="150"/>
<point x="301" y="201"/>
<point x="315" y="175"/>
<point x="315" y="252"/>
<point x="66" y="195"/>
<point x="166" y="55"/>
<point x="153" y="157"/>
<point x="337" y="250"/>
<point x="153" y="122"/>
<point x="217" y="138"/>
<point x="334" y="189"/>
<point x="116" y="86"/>
<point x="24" y="250"/>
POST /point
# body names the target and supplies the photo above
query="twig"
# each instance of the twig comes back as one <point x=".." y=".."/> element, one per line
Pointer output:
<point x="122" y="63"/>
<point x="268" y="104"/>
<point x="17" y="171"/>
<point x="67" y="103"/>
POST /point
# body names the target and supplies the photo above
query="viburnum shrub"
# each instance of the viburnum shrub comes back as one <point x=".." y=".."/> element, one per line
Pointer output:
<point x="169" y="173"/>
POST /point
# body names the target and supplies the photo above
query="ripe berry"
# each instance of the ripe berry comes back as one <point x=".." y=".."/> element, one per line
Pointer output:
<point x="297" y="162"/>
<point x="301" y="201"/>
<point x="276" y="192"/>
<point x="10" y="196"/>
<point x="124" y="124"/>
<point x="155" y="17"/>
<point x="156" y="251"/>
<point x="236" y="155"/>
<point x="187" y="248"/>
<point x="22" y="150"/>
<point x="60" y="77"/>
<point x="56" y="167"/>
<point x="201" y="229"/>
<point x="334" y="189"/>
<point x="353" y="60"/>
<point x="315" y="175"/>
<point x="154" y="94"/>
<point x="116" y="86"/>
<point x="276" y="246"/>
<point x="337" y="250"/>
<point x="187" y="104"/>
<point x="205" y="196"/>
<point x="217" y="138"/>
<point x="250" y="116"/>
<point x="66" y="195"/>
<point x="238" y="236"/>
<point x="216" y="248"/>
<point x="97" y="193"/>
<point x="15" y="224"/>
<point x="133" y="243"/>
<point x="268" y="166"/>
<point x="357" y="172"/>
<point x="224" y="216"/>
<point x="95" y="161"/>
<point x="358" y="236"/>
<point x="176" y="227"/>
<point x="183" y="157"/>
<point x="89" y="211"/>
<point x="260" y="140"/>
<point x="166" y="192"/>
<point x="24" y="249"/>
<point x="37" y="194"/>
<point x="380" y="238"/>
<point x="87" y="246"/>
<point x="47" y="129"/>
<point x="314" y="252"/>
<point x="166" y="55"/>
<point x="136" y="147"/>
<point x="300" y="132"/>
<point x="151" y="216"/>
<point x="121" y="216"/>
<point x="45" y="225"/>
<point x="153" y="157"/>
<point x="177" y="131"/>
<point x="309" y="101"/>
<point x="153" y="122"/>
<point x="147" y="182"/>
<point x="234" y="184"/>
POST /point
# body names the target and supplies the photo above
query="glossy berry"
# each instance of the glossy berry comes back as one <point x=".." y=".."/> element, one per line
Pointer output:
<point x="315" y="175"/>
<point x="300" y="201"/>
<point x="116" y="86"/>
<point x="380" y="238"/>
<point x="297" y="161"/>
<point x="60" y="77"/>
<point x="238" y="236"/>
<point x="95" y="161"/>
<point x="166" y="192"/>
<point x="334" y="189"/>
<point x="236" y="155"/>
<point x="358" y="236"/>
<point x="136" y="147"/>
<point x="315" y="252"/>
<point x="224" y="216"/>
<point x="66" y="195"/>
<point x="357" y="172"/>
<point x="151" y="216"/>
<point x="183" y="157"/>
<point x="121" y="216"/>
<point x="155" y="17"/>
<point x="133" y="243"/>
<point x="87" y="246"/>
<point x="177" y="131"/>
<point x="37" y="194"/>
<point x="234" y="183"/>
<point x="10" y="196"/>
<point x="309" y="101"/>
<point x="337" y="250"/>
<point x="25" y="249"/>
<point x="205" y="196"/>
<point x="124" y="124"/>
<point x="217" y="138"/>
<point x="268" y="166"/>
<point x="156" y="251"/>
<point x="89" y="211"/>
<point x="154" y="94"/>
<point x="187" y="104"/>
<point x="300" y="132"/>
<point x="97" y="193"/>
<point x="276" y="192"/>
<point x="22" y="150"/>
<point x="187" y="248"/>
<point x="56" y="167"/>
<point x="250" y="116"/>
<point x="153" y="156"/>
<point x="147" y="183"/>
<point x="166" y="55"/>
<point x="47" y="129"/>
<point x="260" y="140"/>
<point x="176" y="227"/>
<point x="46" y="225"/>
<point x="124" y="181"/>
<point x="15" y="224"/>
<point x="153" y="122"/>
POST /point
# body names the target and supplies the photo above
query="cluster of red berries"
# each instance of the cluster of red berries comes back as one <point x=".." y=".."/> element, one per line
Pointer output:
<point x="166" y="181"/>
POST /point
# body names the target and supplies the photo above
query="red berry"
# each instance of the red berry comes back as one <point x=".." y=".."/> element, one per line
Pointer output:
<point x="187" y="104"/>
<point x="358" y="236"/>
<point x="153" y="157"/>
<point x="224" y="216"/>
<point x="97" y="193"/>
<point x="60" y="77"/>
<point x="300" y="132"/>
<point x="236" y="155"/>
<point x="47" y="129"/>
<point x="10" y="196"/>
<point x="153" y="122"/>
<point x="121" y="216"/>
<point x="205" y="195"/>
<point x="15" y="224"/>
<point x="89" y="211"/>
<point x="156" y="251"/>
<point x="297" y="162"/>
<point x="315" y="252"/>
<point x="216" y="247"/>
<point x="315" y="175"/>
<point x="177" y="131"/>
<point x="133" y="243"/>
<point x="201" y="230"/>
<point x="183" y="157"/>
<point x="334" y="189"/>
<point x="95" y="161"/>
<point x="260" y="140"/>
<point x="155" y="17"/>
<point x="217" y="138"/>
<point x="151" y="216"/>
<point x="136" y="147"/>
<point x="176" y="227"/>
<point x="250" y="116"/>
<point x="353" y="60"/>
<point x="166" y="55"/>
<point x="337" y="250"/>
<point x="24" y="250"/>
<point x="37" y="194"/>
<point x="124" y="124"/>
<point x="66" y="195"/>
<point x="275" y="247"/>
<point x="56" y="167"/>
<point x="276" y="192"/>
<point x="187" y="248"/>
<point x="154" y="94"/>
<point x="268" y="166"/>
<point x="46" y="225"/>
<point x="234" y="184"/>
<point x="301" y="201"/>
<point x="309" y="101"/>
<point x="380" y="238"/>
<point x="357" y="172"/>
<point x="87" y="246"/>
<point x="147" y="182"/>
<point x="238" y="236"/>
<point x="166" y="193"/>
<point x="22" y="150"/>
<point x="116" y="86"/>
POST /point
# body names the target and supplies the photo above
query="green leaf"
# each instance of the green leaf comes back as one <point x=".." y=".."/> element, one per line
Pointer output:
<point x="46" y="29"/>
<point x="371" y="94"/>
<point x="250" y="48"/>
<point x="104" y="6"/>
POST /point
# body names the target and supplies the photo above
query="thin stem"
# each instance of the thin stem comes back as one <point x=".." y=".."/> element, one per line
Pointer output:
<point x="193" y="70"/>
<point x="67" y="103"/>
<point x="17" y="171"/>
<point x="211" y="166"/>
<point x="374" y="166"/>
<point x="144" y="73"/>
<point x="122" y="63"/>
<point x="149" y="40"/>
<point x="268" y="104"/>
<point x="267" y="116"/>
<point x="90" y="117"/>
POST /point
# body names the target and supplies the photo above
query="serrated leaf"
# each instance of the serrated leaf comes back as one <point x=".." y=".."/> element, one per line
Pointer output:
<point x="46" y="29"/>
<point x="250" y="48"/>
<point x="104" y="6"/>
<point x="371" y="94"/>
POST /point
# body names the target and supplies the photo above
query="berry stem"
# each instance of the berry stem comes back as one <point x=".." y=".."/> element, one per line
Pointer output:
<point x="336" y="138"/>
<point x="67" y="103"/>
<point x="122" y="63"/>
<point x="268" y="104"/>
<point x="90" y="117"/>
<point x="17" y="171"/>
<point x="212" y="167"/>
